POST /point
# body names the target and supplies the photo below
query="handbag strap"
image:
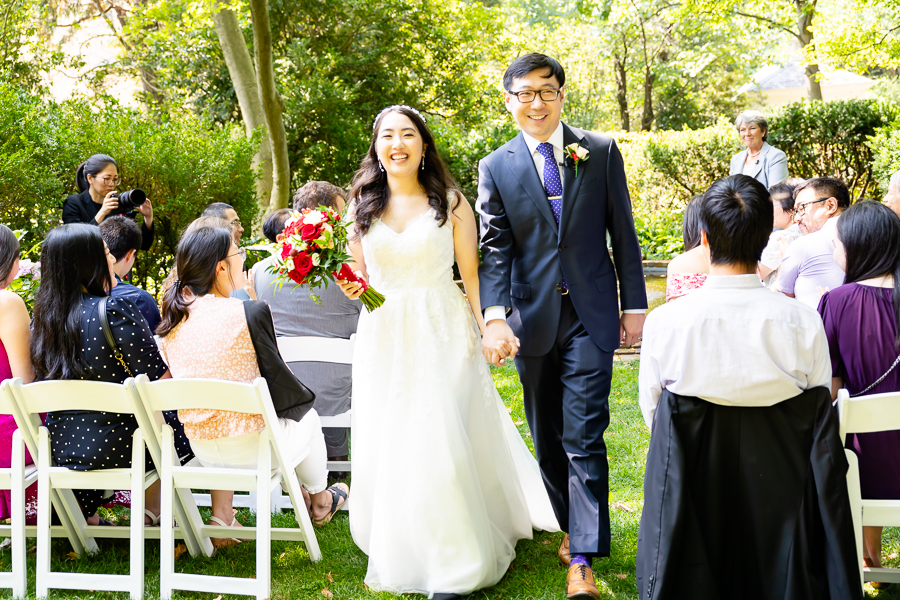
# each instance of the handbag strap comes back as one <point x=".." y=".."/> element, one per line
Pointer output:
<point x="107" y="331"/>
<point x="879" y="380"/>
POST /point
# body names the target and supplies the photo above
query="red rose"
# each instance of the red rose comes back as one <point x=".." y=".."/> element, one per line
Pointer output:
<point x="295" y="277"/>
<point x="309" y="232"/>
<point x="303" y="264"/>
<point x="285" y="251"/>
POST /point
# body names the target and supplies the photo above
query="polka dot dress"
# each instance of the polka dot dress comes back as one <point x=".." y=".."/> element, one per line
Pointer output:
<point x="83" y="440"/>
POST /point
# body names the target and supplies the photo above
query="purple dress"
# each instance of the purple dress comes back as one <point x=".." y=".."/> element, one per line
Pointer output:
<point x="861" y="329"/>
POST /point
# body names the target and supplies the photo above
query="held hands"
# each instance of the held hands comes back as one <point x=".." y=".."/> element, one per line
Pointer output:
<point x="498" y="342"/>
<point x="631" y="325"/>
<point x="352" y="289"/>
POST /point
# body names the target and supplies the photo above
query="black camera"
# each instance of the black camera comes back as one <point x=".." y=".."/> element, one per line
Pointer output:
<point x="132" y="199"/>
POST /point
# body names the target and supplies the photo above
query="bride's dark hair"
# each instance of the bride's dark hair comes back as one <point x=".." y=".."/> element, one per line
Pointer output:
<point x="370" y="193"/>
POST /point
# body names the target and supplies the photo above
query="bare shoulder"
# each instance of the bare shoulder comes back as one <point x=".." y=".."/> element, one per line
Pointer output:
<point x="12" y="306"/>
<point x="692" y="261"/>
<point x="460" y="209"/>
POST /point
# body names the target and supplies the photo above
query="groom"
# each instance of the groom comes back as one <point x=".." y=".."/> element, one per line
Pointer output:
<point x="547" y="200"/>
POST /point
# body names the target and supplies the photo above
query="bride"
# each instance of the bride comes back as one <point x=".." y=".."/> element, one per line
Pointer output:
<point x="427" y="419"/>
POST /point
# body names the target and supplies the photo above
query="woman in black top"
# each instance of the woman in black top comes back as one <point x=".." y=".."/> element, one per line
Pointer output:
<point x="68" y="343"/>
<point x="97" y="178"/>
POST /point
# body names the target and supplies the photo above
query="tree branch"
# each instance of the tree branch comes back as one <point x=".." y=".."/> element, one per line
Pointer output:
<point x="774" y="24"/>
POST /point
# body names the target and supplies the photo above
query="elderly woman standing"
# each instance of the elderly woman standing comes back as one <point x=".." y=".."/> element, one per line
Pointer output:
<point x="761" y="161"/>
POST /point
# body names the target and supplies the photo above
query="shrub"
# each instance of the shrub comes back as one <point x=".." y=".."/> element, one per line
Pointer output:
<point x="829" y="138"/>
<point x="885" y="147"/>
<point x="183" y="164"/>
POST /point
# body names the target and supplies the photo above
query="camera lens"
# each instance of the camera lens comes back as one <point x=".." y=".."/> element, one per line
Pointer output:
<point x="132" y="198"/>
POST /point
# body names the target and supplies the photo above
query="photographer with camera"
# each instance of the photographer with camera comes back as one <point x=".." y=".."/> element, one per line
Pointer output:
<point x="97" y="178"/>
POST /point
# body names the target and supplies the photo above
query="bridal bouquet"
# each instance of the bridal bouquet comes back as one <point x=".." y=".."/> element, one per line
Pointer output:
<point x="312" y="251"/>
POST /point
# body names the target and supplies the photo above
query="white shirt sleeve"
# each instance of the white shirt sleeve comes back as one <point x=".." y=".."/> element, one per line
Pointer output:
<point x="649" y="384"/>
<point x="820" y="374"/>
<point x="492" y="313"/>
<point x="635" y="311"/>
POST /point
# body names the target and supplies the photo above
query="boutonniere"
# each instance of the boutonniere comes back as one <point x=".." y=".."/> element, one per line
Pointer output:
<point x="575" y="155"/>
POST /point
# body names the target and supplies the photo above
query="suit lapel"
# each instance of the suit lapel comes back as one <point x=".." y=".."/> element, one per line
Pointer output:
<point x="571" y="183"/>
<point x="522" y="165"/>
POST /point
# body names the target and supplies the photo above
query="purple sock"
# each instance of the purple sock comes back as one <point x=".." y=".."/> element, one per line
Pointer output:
<point x="580" y="559"/>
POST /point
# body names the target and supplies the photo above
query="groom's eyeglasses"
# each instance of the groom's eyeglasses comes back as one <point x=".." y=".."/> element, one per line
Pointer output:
<point x="527" y="96"/>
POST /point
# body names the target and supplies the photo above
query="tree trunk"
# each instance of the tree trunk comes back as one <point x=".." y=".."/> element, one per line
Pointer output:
<point x="648" y="117"/>
<point x="272" y="104"/>
<point x="806" y="10"/>
<point x="622" y="91"/>
<point x="243" y="78"/>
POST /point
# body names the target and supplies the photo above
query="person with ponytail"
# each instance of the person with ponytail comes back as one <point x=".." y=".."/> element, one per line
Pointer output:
<point x="68" y="342"/>
<point x="862" y="323"/>
<point x="207" y="334"/>
<point x="97" y="178"/>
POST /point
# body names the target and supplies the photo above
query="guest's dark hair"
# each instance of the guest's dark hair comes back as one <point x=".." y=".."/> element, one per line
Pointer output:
<point x="316" y="193"/>
<point x="736" y="215"/>
<point x="274" y="225"/>
<point x="121" y="235"/>
<point x="527" y="63"/>
<point x="10" y="250"/>
<point x="370" y="191"/>
<point x="73" y="261"/>
<point x="92" y="167"/>
<point x="870" y="233"/>
<point x="690" y="226"/>
<point x="216" y="209"/>
<point x="198" y="253"/>
<point x="827" y="187"/>
<point x="783" y="193"/>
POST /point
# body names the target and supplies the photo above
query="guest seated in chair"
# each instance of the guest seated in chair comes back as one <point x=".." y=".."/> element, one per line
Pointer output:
<point x="15" y="337"/>
<point x="68" y="342"/>
<point x="207" y="334"/>
<point x="746" y="479"/>
<point x="862" y="323"/>
<point x="297" y="314"/>
<point x="687" y="271"/>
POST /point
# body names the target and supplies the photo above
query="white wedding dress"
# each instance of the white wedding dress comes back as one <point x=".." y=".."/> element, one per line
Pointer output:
<point x="443" y="484"/>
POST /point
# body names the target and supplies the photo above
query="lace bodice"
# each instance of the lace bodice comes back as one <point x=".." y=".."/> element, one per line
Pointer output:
<point x="421" y="256"/>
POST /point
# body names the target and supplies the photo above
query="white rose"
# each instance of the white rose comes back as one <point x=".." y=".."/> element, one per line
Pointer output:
<point x="315" y="259"/>
<point x="582" y="152"/>
<point x="313" y="217"/>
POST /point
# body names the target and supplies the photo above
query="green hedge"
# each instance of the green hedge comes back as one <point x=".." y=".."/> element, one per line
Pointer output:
<point x="183" y="165"/>
<point x="885" y="146"/>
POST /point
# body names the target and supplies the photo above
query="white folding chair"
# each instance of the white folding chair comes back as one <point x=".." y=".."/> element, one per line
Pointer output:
<point x="868" y="414"/>
<point x="57" y="482"/>
<point x="322" y="349"/>
<point x="16" y="479"/>
<point x="209" y="394"/>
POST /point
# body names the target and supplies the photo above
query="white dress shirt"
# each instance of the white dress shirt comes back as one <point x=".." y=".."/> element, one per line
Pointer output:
<point x="556" y="140"/>
<point x="732" y="342"/>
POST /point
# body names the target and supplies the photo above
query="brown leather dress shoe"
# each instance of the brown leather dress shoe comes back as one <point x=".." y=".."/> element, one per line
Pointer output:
<point x="564" y="556"/>
<point x="580" y="583"/>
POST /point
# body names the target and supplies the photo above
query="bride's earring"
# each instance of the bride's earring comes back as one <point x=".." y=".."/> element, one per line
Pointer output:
<point x="422" y="168"/>
<point x="380" y="166"/>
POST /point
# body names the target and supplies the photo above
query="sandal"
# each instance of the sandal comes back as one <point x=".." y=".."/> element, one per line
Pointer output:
<point x="223" y="542"/>
<point x="338" y="497"/>
<point x="154" y="519"/>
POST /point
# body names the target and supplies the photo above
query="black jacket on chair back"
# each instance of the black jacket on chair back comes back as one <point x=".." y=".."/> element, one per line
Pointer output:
<point x="747" y="503"/>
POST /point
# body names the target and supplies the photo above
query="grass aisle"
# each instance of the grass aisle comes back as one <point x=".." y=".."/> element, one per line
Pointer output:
<point x="535" y="574"/>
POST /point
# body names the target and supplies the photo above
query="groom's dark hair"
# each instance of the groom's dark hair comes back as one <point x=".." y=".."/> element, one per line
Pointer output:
<point x="736" y="214"/>
<point x="527" y="63"/>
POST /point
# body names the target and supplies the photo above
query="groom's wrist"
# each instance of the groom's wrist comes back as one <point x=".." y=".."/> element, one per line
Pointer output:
<point x="493" y="313"/>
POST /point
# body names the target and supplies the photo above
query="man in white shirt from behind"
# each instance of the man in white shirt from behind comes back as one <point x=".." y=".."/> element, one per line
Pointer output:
<point x="733" y="342"/>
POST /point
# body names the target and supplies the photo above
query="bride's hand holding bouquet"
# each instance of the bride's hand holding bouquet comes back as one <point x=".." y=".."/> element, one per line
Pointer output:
<point x="313" y="251"/>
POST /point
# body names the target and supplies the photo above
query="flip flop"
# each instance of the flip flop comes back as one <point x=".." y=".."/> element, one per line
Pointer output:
<point x="337" y="493"/>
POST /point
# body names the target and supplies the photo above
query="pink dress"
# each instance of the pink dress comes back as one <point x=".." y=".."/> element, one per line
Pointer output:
<point x="7" y="428"/>
<point x="679" y="284"/>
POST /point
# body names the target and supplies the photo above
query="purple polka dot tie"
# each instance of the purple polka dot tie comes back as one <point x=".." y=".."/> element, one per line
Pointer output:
<point x="552" y="186"/>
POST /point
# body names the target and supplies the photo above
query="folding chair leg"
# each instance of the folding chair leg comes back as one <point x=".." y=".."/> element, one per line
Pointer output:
<point x="167" y="535"/>
<point x="263" y="520"/>
<point x="17" y="505"/>
<point x="136" y="574"/>
<point x="42" y="569"/>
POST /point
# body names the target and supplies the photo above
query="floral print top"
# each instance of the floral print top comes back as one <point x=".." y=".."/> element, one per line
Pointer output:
<point x="679" y="284"/>
<point x="213" y="343"/>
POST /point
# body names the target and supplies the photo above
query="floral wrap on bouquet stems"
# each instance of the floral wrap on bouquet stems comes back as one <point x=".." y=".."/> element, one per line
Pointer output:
<point x="312" y="251"/>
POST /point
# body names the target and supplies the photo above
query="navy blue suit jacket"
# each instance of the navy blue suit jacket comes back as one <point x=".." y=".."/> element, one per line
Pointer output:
<point x="525" y="255"/>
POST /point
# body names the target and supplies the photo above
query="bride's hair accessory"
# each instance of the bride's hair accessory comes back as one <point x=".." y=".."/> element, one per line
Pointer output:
<point x="178" y="285"/>
<point x="395" y="107"/>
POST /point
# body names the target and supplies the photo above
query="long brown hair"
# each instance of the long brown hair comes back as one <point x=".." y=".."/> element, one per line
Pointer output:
<point x="370" y="193"/>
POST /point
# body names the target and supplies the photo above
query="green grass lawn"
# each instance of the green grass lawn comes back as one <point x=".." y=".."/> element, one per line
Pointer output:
<point x="535" y="574"/>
